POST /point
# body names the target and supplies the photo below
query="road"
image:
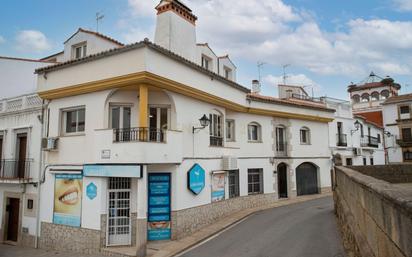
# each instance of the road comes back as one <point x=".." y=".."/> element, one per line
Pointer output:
<point x="306" y="229"/>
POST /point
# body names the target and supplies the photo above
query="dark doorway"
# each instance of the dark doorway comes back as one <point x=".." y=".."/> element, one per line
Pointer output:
<point x="13" y="208"/>
<point x="22" y="153"/>
<point x="282" y="180"/>
<point x="306" y="179"/>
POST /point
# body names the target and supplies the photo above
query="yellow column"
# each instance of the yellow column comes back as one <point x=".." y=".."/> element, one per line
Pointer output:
<point x="143" y="112"/>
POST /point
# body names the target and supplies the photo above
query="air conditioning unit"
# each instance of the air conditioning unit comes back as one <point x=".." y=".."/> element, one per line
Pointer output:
<point x="50" y="143"/>
<point x="357" y="151"/>
<point x="229" y="163"/>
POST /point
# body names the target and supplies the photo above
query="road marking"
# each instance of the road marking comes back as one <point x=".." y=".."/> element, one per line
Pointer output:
<point x="204" y="241"/>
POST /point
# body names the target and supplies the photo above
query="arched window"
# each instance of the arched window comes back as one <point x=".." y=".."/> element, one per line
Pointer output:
<point x="305" y="136"/>
<point x="375" y="96"/>
<point x="356" y="98"/>
<point x="254" y="132"/>
<point x="365" y="98"/>
<point x="216" y="128"/>
<point x="385" y="94"/>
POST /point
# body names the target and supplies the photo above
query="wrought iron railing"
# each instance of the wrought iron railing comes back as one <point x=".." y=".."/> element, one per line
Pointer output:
<point x="369" y="141"/>
<point x="15" y="169"/>
<point x="281" y="149"/>
<point x="139" y="134"/>
<point x="341" y="140"/>
<point x="404" y="141"/>
<point x="216" y="141"/>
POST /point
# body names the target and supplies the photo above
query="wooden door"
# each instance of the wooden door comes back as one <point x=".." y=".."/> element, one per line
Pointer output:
<point x="282" y="181"/>
<point x="13" y="209"/>
<point x="306" y="179"/>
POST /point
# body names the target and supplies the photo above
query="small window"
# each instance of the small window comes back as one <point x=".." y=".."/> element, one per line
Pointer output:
<point x="404" y="109"/>
<point x="206" y="62"/>
<point x="74" y="120"/>
<point x="356" y="98"/>
<point x="349" y="162"/>
<point x="365" y="98"/>
<point x="407" y="134"/>
<point x="375" y="96"/>
<point x="407" y="156"/>
<point x="364" y="161"/>
<point x="30" y="204"/>
<point x="79" y="51"/>
<point x="305" y="136"/>
<point x="228" y="73"/>
<point x="255" y="181"/>
<point x="233" y="183"/>
<point x="371" y="160"/>
<point x="230" y="130"/>
<point x="254" y="132"/>
<point x="385" y="94"/>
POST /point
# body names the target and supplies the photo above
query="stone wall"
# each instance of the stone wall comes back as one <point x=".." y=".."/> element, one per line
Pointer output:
<point x="187" y="221"/>
<point x="375" y="216"/>
<point x="399" y="173"/>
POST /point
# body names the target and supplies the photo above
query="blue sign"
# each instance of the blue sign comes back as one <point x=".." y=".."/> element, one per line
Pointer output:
<point x="159" y="227"/>
<point x="113" y="170"/>
<point x="91" y="191"/>
<point x="196" y="179"/>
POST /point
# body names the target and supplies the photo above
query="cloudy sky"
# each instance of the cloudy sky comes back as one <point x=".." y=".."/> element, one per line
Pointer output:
<point x="326" y="45"/>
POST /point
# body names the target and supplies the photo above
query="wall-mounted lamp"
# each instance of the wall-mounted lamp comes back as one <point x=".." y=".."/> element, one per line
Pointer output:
<point x="204" y="122"/>
<point x="357" y="126"/>
<point x="387" y="133"/>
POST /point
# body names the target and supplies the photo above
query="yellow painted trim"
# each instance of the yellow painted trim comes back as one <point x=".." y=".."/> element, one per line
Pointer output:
<point x="150" y="79"/>
<point x="143" y="105"/>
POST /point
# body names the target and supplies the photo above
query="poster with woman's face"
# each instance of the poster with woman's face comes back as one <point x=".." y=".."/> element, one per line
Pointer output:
<point x="218" y="187"/>
<point x="68" y="199"/>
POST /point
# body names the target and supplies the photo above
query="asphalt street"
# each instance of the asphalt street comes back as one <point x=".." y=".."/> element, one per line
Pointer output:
<point x="306" y="229"/>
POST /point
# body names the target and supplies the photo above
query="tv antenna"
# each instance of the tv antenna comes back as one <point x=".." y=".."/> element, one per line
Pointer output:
<point x="259" y="66"/>
<point x="99" y="17"/>
<point x="285" y="76"/>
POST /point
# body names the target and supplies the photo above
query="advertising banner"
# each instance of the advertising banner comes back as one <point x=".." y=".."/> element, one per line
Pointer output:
<point x="68" y="190"/>
<point x="218" y="187"/>
<point x="158" y="227"/>
<point x="196" y="179"/>
<point x="113" y="170"/>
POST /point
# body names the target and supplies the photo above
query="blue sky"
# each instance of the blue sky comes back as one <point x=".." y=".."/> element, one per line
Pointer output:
<point x="328" y="44"/>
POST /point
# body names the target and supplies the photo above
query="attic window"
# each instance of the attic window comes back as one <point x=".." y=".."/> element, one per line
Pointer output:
<point x="79" y="50"/>
<point x="228" y="72"/>
<point x="206" y="62"/>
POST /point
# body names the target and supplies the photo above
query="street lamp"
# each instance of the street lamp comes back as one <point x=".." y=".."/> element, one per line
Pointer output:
<point x="387" y="133"/>
<point x="204" y="122"/>
<point x="357" y="126"/>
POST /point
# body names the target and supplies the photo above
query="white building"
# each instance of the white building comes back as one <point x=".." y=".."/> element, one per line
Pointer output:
<point x="156" y="140"/>
<point x="354" y="140"/>
<point x="398" y="127"/>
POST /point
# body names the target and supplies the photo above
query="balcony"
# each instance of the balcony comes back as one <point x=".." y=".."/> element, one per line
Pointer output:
<point x="281" y="150"/>
<point x="368" y="141"/>
<point x="139" y="135"/>
<point x="216" y="141"/>
<point x="405" y="141"/>
<point x="341" y="140"/>
<point x="15" y="169"/>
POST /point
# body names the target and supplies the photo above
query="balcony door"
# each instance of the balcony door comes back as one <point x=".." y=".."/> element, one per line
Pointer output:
<point x="21" y="154"/>
<point x="120" y="117"/>
<point x="158" y="122"/>
<point x="280" y="139"/>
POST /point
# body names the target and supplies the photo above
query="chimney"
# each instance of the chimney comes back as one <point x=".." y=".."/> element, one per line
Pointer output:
<point x="176" y="28"/>
<point x="255" y="86"/>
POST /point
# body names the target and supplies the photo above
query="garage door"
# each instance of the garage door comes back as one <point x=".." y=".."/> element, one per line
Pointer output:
<point x="306" y="179"/>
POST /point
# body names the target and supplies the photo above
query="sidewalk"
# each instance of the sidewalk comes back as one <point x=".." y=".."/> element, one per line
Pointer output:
<point x="171" y="248"/>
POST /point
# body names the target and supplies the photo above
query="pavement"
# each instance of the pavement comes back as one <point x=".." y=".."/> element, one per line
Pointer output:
<point x="300" y="227"/>
<point x="307" y="229"/>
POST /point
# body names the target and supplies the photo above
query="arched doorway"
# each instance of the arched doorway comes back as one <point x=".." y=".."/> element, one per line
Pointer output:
<point x="282" y="180"/>
<point x="307" y="179"/>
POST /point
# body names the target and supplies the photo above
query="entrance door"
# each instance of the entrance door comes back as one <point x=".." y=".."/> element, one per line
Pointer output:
<point x="21" y="154"/>
<point x="306" y="179"/>
<point x="13" y="209"/>
<point x="118" y="215"/>
<point x="282" y="181"/>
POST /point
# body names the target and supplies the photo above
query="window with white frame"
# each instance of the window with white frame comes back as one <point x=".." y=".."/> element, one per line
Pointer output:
<point x="206" y="62"/>
<point x="255" y="181"/>
<point x="230" y="130"/>
<point x="74" y="120"/>
<point x="305" y="136"/>
<point x="404" y="112"/>
<point x="228" y="72"/>
<point x="79" y="50"/>
<point x="215" y="129"/>
<point x="120" y="116"/>
<point x="254" y="132"/>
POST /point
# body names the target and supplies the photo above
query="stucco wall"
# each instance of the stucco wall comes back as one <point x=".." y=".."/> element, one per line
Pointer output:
<point x="374" y="215"/>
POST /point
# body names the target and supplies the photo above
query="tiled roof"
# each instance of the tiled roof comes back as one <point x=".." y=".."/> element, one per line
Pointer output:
<point x="96" y="34"/>
<point x="398" y="99"/>
<point x="24" y="59"/>
<point x="145" y="43"/>
<point x="352" y="88"/>
<point x="374" y="118"/>
<point x="290" y="101"/>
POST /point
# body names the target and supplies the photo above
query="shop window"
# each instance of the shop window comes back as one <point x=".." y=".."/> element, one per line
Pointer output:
<point x="255" y="181"/>
<point x="233" y="183"/>
<point x="230" y="130"/>
<point x="74" y="120"/>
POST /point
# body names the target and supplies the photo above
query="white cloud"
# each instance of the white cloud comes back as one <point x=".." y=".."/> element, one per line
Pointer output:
<point x="2" y="40"/>
<point x="32" y="41"/>
<point x="142" y="8"/>
<point x="403" y="5"/>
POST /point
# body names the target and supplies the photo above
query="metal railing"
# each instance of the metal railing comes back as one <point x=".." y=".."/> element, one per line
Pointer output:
<point x="341" y="140"/>
<point x="404" y="141"/>
<point x="139" y="134"/>
<point x="281" y="149"/>
<point x="15" y="169"/>
<point x="216" y="141"/>
<point x="369" y="141"/>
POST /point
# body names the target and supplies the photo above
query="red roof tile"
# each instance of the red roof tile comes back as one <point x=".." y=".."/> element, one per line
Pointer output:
<point x="375" y="118"/>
